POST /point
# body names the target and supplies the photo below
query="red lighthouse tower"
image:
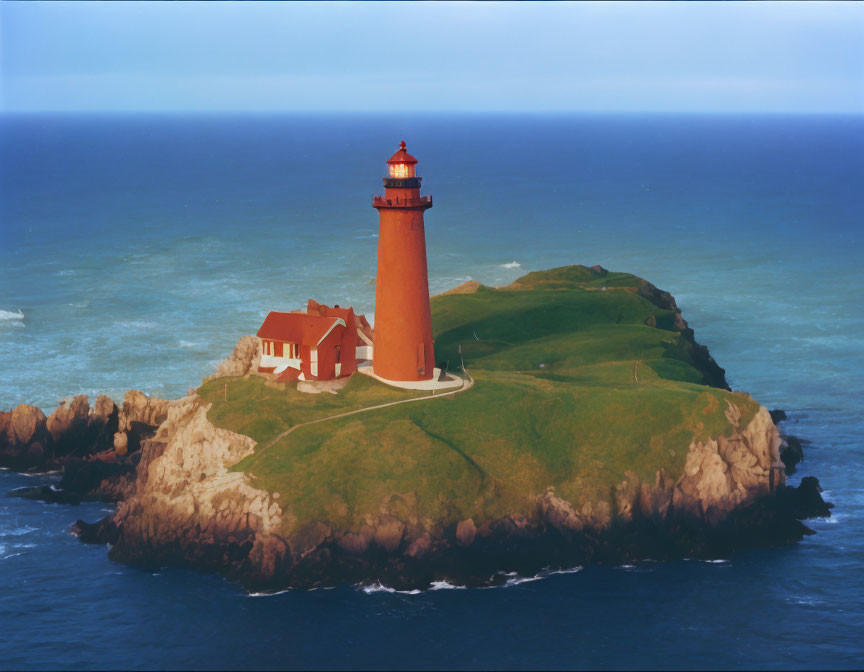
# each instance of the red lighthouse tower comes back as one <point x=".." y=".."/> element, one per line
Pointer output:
<point x="403" y="320"/>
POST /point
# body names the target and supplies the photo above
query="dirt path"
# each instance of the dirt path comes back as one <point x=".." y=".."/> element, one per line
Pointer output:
<point x="466" y="385"/>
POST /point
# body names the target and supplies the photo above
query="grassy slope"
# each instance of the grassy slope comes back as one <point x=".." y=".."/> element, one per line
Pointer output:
<point x="578" y="423"/>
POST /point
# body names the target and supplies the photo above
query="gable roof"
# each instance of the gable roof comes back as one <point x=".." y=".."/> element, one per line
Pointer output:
<point x="364" y="330"/>
<point x="298" y="327"/>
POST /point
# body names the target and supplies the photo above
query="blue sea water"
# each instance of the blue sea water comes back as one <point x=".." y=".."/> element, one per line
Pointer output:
<point x="138" y="250"/>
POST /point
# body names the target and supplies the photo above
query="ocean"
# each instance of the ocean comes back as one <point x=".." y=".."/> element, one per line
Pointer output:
<point x="136" y="250"/>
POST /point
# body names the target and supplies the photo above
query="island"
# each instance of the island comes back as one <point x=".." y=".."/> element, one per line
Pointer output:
<point x="589" y="426"/>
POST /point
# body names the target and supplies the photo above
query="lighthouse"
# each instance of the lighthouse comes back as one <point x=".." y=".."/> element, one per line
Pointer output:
<point x="403" y="321"/>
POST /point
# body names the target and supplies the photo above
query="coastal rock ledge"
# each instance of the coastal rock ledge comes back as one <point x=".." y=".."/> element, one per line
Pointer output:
<point x="190" y="509"/>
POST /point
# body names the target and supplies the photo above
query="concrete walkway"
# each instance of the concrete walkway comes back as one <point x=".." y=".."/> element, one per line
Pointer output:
<point x="466" y="385"/>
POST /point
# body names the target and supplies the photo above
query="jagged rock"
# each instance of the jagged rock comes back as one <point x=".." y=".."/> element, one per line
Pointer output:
<point x="102" y="532"/>
<point x="310" y="537"/>
<point x="389" y="532"/>
<point x="103" y="424"/>
<point x="121" y="443"/>
<point x="28" y="425"/>
<point x="806" y="500"/>
<point x="26" y="442"/>
<point x="5" y="421"/>
<point x="98" y="479"/>
<point x="141" y="409"/>
<point x="778" y="415"/>
<point x="419" y="546"/>
<point x="244" y="359"/>
<point x="29" y="440"/>
<point x="69" y="425"/>
<point x="187" y="506"/>
<point x="465" y="532"/>
<point x="356" y="543"/>
<point x="791" y="452"/>
<point x="139" y="417"/>
<point x="724" y="474"/>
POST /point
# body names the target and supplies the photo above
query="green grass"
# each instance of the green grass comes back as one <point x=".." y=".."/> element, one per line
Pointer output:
<point x="262" y="410"/>
<point x="580" y="422"/>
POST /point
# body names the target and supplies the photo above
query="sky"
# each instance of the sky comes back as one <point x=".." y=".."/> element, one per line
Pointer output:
<point x="706" y="57"/>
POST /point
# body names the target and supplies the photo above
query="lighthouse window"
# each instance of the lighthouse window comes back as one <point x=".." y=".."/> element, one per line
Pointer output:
<point x="400" y="170"/>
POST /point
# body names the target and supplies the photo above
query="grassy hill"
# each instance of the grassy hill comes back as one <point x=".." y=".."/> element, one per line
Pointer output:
<point x="581" y="376"/>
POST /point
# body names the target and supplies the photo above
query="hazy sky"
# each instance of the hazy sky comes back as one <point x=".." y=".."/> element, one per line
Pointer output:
<point x="618" y="56"/>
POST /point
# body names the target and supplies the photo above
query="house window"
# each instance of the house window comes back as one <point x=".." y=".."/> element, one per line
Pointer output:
<point x="338" y="354"/>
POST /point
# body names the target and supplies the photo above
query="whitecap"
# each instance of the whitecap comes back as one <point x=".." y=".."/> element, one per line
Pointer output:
<point x="808" y="601"/>
<point x="7" y="315"/>
<point x="571" y="570"/>
<point x="444" y="585"/>
<point x="278" y="592"/>
<point x="521" y="579"/>
<point x="191" y="344"/>
<point x="18" y="531"/>
<point x="381" y="588"/>
<point x="512" y="264"/>
<point x="717" y="561"/>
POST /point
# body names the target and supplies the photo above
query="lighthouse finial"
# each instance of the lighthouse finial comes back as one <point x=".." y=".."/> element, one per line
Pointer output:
<point x="402" y="144"/>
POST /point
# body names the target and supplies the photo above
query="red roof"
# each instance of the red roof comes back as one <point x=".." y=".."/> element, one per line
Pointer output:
<point x="315" y="308"/>
<point x="401" y="156"/>
<point x="363" y="325"/>
<point x="297" y="327"/>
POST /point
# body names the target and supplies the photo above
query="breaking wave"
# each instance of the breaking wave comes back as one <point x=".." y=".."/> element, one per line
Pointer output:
<point x="7" y="315"/>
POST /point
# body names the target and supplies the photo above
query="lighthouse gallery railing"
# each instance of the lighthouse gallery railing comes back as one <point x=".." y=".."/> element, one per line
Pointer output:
<point x="402" y="202"/>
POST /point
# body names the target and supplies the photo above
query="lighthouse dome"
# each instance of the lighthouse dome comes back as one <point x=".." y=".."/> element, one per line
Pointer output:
<point x="401" y="156"/>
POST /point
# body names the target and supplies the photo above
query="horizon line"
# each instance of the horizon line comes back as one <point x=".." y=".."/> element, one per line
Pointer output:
<point x="427" y="113"/>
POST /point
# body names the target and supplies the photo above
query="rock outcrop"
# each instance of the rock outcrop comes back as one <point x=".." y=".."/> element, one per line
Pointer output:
<point x="25" y="442"/>
<point x="189" y="508"/>
<point x="244" y="359"/>
<point x="77" y="434"/>
<point x="69" y="425"/>
<point x="138" y="419"/>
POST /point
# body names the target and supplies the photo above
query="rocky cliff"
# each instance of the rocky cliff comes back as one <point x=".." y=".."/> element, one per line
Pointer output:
<point x="189" y="509"/>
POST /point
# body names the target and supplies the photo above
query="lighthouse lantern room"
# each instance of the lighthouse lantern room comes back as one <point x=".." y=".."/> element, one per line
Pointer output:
<point x="402" y="164"/>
